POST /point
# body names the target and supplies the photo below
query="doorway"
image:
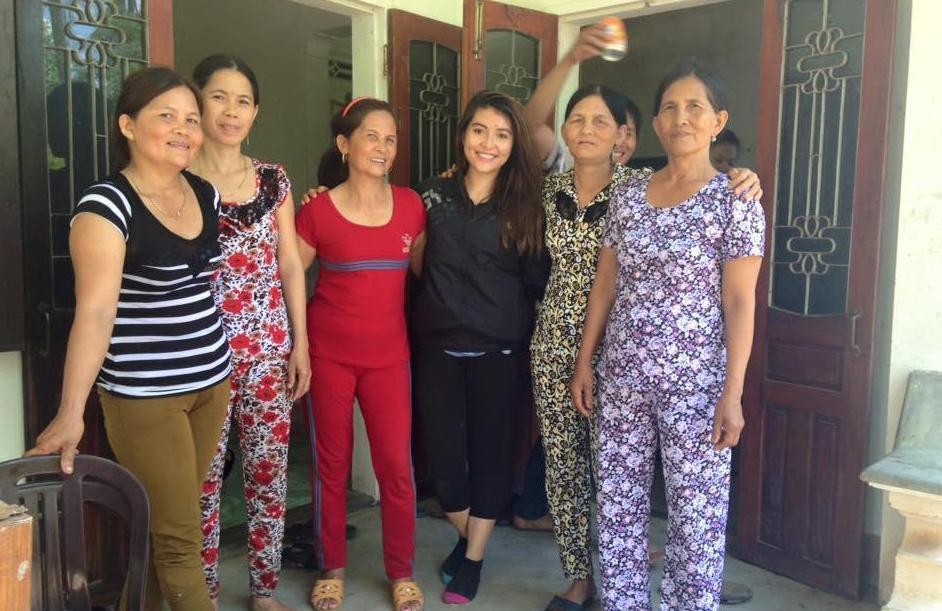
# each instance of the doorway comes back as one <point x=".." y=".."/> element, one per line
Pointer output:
<point x="695" y="32"/>
<point x="302" y="57"/>
<point x="809" y="88"/>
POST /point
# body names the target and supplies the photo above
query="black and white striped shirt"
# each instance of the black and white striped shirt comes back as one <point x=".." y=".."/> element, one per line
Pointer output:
<point x="168" y="338"/>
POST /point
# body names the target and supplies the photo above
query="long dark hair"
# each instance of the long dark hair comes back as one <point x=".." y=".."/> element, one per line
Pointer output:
<point x="137" y="91"/>
<point x="517" y="188"/>
<point x="331" y="171"/>
<point x="209" y="66"/>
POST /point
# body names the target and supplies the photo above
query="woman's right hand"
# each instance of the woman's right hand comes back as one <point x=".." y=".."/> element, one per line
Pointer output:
<point x="312" y="193"/>
<point x="591" y="42"/>
<point x="582" y="388"/>
<point x="62" y="436"/>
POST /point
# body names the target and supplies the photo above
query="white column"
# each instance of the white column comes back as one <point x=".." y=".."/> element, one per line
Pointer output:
<point x="918" y="578"/>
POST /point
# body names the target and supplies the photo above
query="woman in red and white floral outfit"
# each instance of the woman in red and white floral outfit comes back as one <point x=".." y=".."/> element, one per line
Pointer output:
<point x="259" y="289"/>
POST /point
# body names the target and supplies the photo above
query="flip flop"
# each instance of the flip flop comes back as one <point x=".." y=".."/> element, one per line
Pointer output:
<point x="561" y="604"/>
<point x="407" y="592"/>
<point x="327" y="589"/>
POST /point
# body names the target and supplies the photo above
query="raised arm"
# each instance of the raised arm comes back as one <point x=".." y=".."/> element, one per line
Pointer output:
<point x="582" y="385"/>
<point x="97" y="252"/>
<point x="537" y="111"/>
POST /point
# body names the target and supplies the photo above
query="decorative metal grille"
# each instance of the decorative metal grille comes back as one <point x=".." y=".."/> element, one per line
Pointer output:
<point x="820" y="108"/>
<point x="89" y="47"/>
<point x="513" y="63"/>
<point x="433" y="108"/>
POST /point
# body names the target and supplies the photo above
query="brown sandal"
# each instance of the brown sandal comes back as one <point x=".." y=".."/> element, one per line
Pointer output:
<point x="405" y="592"/>
<point x="327" y="589"/>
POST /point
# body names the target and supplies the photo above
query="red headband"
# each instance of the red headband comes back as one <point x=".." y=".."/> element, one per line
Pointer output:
<point x="346" y="109"/>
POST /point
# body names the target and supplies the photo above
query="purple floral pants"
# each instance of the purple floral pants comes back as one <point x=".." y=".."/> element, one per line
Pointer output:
<point x="632" y="422"/>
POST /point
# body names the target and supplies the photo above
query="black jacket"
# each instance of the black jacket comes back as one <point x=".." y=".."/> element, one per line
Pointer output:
<point x="474" y="295"/>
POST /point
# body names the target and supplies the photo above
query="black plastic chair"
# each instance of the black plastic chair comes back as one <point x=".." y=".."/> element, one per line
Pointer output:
<point x="57" y="503"/>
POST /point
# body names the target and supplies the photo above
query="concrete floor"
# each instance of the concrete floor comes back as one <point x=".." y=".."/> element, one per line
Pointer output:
<point x="521" y="573"/>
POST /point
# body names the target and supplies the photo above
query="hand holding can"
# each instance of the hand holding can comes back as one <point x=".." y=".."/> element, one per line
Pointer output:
<point x="617" y="46"/>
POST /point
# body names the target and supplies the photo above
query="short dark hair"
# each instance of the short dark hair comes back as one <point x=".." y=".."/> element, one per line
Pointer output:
<point x="209" y="66"/>
<point x="712" y="81"/>
<point x="615" y="101"/>
<point x="727" y="136"/>
<point x="137" y="91"/>
<point x="331" y="171"/>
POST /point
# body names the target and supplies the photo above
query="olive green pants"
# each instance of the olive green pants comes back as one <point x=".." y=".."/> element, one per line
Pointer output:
<point x="168" y="443"/>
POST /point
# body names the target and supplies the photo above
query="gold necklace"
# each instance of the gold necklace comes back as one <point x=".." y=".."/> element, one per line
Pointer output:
<point x="245" y="174"/>
<point x="155" y="201"/>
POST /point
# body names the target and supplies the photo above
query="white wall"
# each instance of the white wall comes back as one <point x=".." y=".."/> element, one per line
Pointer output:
<point x="911" y="333"/>
<point x="285" y="44"/>
<point x="726" y="35"/>
<point x="11" y="411"/>
<point x="449" y="11"/>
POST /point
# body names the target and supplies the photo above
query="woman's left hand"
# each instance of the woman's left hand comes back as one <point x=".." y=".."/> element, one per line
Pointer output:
<point x="299" y="372"/>
<point x="728" y="422"/>
<point x="745" y="184"/>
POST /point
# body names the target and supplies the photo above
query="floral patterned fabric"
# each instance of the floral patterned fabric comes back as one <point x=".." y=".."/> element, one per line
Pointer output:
<point x="661" y="371"/>
<point x="573" y="246"/>
<point x="247" y="289"/>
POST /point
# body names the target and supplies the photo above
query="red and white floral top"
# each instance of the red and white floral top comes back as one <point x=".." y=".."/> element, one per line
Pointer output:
<point x="247" y="285"/>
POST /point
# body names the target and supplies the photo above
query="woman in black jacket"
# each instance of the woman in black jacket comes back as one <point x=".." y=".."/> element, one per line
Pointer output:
<point x="482" y="267"/>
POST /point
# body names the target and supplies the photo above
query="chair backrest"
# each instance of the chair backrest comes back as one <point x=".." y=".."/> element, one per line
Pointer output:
<point x="57" y="504"/>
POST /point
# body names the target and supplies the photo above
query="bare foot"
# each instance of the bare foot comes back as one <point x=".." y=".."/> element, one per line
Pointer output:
<point x="329" y="604"/>
<point x="268" y="603"/>
<point x="544" y="522"/>
<point x="409" y="606"/>
<point x="579" y="591"/>
<point x="655" y="555"/>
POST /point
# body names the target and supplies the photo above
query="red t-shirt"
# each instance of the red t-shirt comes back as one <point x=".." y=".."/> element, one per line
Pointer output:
<point x="357" y="313"/>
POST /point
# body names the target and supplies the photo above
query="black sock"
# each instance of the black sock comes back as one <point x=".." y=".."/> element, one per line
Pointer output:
<point x="453" y="561"/>
<point x="466" y="579"/>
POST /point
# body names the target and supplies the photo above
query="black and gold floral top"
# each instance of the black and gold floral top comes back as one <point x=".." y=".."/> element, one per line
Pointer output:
<point x="573" y="240"/>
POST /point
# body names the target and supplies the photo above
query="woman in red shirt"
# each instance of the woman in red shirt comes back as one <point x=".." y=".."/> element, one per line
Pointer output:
<point x="361" y="232"/>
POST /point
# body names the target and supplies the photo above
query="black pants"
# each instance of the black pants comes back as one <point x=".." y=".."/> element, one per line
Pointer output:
<point x="466" y="407"/>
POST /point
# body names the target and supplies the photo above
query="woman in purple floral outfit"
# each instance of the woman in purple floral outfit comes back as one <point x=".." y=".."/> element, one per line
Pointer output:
<point x="675" y="296"/>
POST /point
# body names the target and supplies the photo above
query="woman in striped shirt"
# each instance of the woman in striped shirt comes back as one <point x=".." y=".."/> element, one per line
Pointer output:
<point x="144" y="244"/>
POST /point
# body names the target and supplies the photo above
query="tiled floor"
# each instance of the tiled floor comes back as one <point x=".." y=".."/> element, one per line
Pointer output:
<point x="521" y="573"/>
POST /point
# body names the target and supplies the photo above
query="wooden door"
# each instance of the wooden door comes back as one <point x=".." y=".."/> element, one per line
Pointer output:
<point x="424" y="59"/>
<point x="823" y="116"/>
<point x="72" y="57"/>
<point x="424" y="79"/>
<point x="506" y="48"/>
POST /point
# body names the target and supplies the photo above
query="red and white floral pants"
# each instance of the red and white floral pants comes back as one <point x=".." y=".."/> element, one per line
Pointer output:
<point x="260" y="407"/>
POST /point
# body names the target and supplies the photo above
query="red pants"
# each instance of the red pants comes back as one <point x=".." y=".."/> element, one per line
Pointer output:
<point x="385" y="402"/>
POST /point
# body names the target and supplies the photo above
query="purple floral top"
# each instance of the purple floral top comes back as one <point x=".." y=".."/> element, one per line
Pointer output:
<point x="666" y="323"/>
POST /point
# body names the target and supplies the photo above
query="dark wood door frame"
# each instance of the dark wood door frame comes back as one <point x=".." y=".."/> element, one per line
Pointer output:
<point x="12" y="334"/>
<point x="483" y="15"/>
<point x="40" y="319"/>
<point x="404" y="27"/>
<point x="843" y="575"/>
<point x="45" y="328"/>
